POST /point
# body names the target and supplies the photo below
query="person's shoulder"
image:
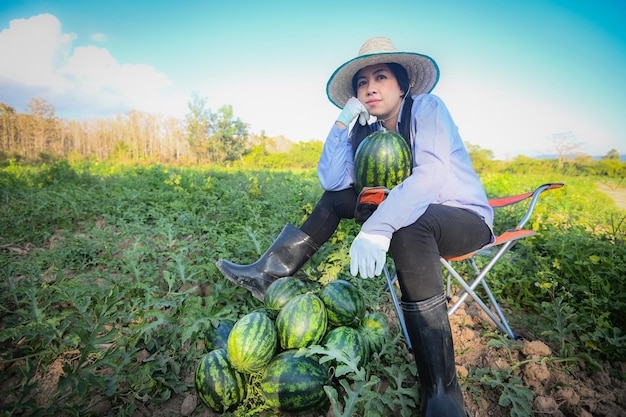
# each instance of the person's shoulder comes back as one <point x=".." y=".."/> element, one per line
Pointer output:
<point x="427" y="101"/>
<point x="427" y="98"/>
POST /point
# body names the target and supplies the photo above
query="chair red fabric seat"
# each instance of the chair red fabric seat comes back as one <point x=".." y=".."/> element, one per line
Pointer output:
<point x="507" y="236"/>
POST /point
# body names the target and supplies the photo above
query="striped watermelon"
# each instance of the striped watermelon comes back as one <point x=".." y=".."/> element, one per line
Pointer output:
<point x="216" y="337"/>
<point x="302" y="322"/>
<point x="252" y="342"/>
<point x="383" y="159"/>
<point x="375" y="331"/>
<point x="348" y="340"/>
<point x="280" y="292"/>
<point x="218" y="384"/>
<point x="343" y="302"/>
<point x="294" y="383"/>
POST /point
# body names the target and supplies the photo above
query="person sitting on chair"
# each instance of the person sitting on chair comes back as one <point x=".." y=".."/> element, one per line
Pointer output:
<point x="441" y="209"/>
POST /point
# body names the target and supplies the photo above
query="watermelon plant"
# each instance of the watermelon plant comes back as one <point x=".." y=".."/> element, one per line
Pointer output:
<point x="218" y="384"/>
<point x="302" y="322"/>
<point x="343" y="302"/>
<point x="252" y="342"/>
<point x="383" y="159"/>
<point x="294" y="383"/>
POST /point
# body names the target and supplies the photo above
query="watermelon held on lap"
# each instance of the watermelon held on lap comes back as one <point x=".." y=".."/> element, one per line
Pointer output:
<point x="252" y="342"/>
<point x="344" y="303"/>
<point x="218" y="384"/>
<point x="383" y="159"/>
<point x="280" y="292"/>
<point x="293" y="383"/>
<point x="302" y="322"/>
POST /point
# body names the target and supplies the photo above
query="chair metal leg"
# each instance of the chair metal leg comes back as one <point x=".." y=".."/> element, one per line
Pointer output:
<point x="503" y="321"/>
<point x="396" y="304"/>
<point x="469" y="291"/>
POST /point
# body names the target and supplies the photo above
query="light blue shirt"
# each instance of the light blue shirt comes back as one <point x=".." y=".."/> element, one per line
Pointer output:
<point x="442" y="171"/>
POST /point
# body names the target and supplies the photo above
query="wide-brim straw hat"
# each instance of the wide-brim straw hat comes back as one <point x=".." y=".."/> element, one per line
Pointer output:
<point x="422" y="69"/>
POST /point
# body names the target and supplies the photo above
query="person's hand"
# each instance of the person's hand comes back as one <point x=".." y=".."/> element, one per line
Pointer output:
<point x="368" y="254"/>
<point x="353" y="109"/>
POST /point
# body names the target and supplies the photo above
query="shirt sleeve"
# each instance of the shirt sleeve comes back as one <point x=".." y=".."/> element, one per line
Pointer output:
<point x="336" y="164"/>
<point x="432" y="130"/>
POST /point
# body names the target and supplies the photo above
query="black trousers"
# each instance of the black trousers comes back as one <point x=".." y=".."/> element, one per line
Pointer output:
<point x="440" y="231"/>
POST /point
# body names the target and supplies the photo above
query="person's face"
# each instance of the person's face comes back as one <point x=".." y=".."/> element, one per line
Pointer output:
<point x="378" y="90"/>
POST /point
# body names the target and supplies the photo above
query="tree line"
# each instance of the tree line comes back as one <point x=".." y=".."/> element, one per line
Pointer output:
<point x="203" y="136"/>
<point x="208" y="137"/>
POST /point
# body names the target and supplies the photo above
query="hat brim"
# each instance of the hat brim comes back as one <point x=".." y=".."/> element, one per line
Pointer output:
<point x="422" y="71"/>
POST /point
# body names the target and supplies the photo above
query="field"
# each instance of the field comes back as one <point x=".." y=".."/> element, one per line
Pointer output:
<point x="109" y="285"/>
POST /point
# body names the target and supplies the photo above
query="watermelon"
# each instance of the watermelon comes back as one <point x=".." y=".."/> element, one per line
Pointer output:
<point x="216" y="337"/>
<point x="375" y="331"/>
<point x="349" y="341"/>
<point x="218" y="384"/>
<point x="252" y="342"/>
<point x="293" y="383"/>
<point x="343" y="302"/>
<point x="302" y="322"/>
<point x="282" y="291"/>
<point x="383" y="159"/>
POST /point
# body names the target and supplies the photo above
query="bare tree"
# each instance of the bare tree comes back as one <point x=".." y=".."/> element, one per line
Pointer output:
<point x="43" y="132"/>
<point x="565" y="145"/>
<point x="8" y="128"/>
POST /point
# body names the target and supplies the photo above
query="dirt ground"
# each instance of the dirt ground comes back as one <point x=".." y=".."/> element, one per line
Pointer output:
<point x="558" y="390"/>
<point x="618" y="194"/>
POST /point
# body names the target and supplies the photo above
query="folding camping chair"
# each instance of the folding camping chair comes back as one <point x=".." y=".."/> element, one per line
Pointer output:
<point x="503" y="243"/>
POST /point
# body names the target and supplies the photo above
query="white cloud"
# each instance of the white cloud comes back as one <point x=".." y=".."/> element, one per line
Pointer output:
<point x="98" y="37"/>
<point x="32" y="49"/>
<point x="40" y="61"/>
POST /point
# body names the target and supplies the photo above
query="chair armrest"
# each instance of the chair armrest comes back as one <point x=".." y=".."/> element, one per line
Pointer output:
<point x="514" y="199"/>
<point x="535" y="198"/>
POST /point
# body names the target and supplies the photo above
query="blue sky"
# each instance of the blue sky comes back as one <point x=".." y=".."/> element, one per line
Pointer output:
<point x="513" y="73"/>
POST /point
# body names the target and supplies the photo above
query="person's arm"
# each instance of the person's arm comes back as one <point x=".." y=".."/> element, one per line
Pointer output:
<point x="335" y="168"/>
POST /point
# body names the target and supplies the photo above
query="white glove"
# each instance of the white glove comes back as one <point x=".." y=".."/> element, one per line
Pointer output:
<point x="353" y="109"/>
<point x="368" y="254"/>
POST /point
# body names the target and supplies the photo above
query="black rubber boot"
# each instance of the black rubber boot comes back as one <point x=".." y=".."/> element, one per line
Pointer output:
<point x="431" y="336"/>
<point x="291" y="249"/>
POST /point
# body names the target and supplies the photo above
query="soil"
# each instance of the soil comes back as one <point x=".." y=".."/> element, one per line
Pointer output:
<point x="618" y="194"/>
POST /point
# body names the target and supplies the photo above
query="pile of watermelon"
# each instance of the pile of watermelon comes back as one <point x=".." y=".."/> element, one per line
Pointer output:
<point x="271" y="344"/>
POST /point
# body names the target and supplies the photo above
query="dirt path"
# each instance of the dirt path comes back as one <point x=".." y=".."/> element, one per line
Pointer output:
<point x="617" y="194"/>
